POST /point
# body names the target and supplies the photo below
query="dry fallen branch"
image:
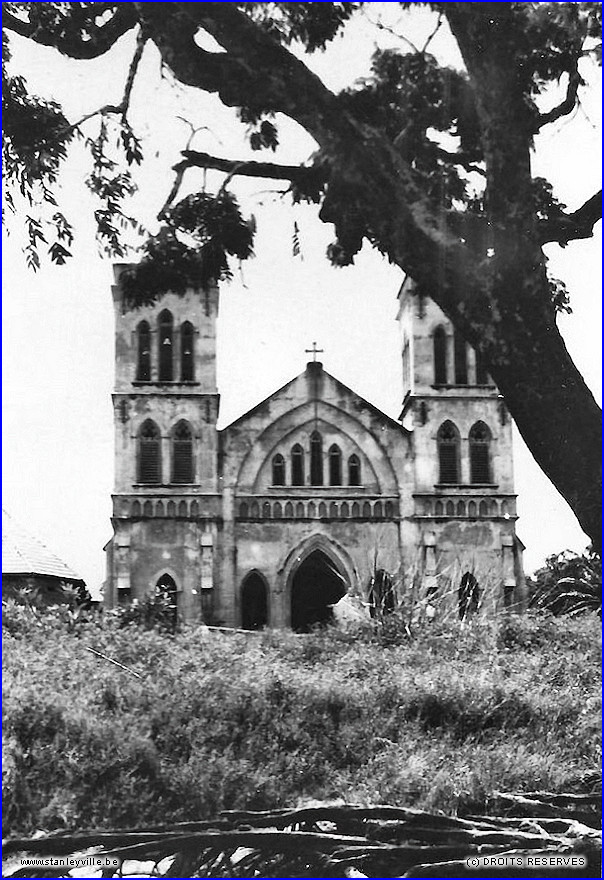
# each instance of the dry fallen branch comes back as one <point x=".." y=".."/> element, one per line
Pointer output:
<point x="338" y="841"/>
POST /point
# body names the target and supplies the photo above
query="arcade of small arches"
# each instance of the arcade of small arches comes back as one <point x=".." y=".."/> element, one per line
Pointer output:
<point x="311" y="509"/>
<point x="448" y="441"/>
<point x="175" y="360"/>
<point x="186" y="508"/>
<point x="291" y="470"/>
<point x="453" y="364"/>
<point x="471" y="508"/>
<point x="149" y="464"/>
<point x="160" y="508"/>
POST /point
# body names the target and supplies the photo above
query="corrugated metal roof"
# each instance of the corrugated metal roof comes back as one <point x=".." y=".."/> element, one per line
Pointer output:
<point x="24" y="554"/>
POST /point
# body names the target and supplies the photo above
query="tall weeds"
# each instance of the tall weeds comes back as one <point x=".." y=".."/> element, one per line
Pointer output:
<point x="426" y="717"/>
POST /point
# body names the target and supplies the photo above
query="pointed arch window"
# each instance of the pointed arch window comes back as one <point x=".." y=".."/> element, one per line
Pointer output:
<point x="166" y="346"/>
<point x="297" y="465"/>
<point x="187" y="352"/>
<point x="480" y="453"/>
<point x="439" y="342"/>
<point x="143" y="352"/>
<point x="182" y="454"/>
<point x="149" y="453"/>
<point x="316" y="459"/>
<point x="278" y="470"/>
<point x="448" y="453"/>
<point x="335" y="465"/>
<point x="460" y="357"/>
<point x="354" y="471"/>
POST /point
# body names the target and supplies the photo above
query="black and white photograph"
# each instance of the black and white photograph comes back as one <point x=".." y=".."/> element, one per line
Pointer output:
<point x="301" y="528"/>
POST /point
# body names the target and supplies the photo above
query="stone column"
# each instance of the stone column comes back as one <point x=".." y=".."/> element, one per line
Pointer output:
<point x="206" y="573"/>
<point x="508" y="573"/>
<point x="121" y="563"/>
<point x="429" y="581"/>
<point x="471" y="360"/>
<point x="427" y="600"/>
<point x="225" y="597"/>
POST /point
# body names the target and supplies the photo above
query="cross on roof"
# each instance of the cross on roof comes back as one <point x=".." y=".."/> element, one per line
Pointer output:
<point x="314" y="351"/>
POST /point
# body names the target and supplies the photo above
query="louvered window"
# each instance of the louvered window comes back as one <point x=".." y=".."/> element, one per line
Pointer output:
<point x="182" y="454"/>
<point x="143" y="363"/>
<point x="354" y="471"/>
<point x="439" y="341"/>
<point x="480" y="453"/>
<point x="187" y="361"/>
<point x="448" y="453"/>
<point x="316" y="459"/>
<point x="297" y="465"/>
<point x="149" y="453"/>
<point x="461" y="359"/>
<point x="335" y="466"/>
<point x="166" y="347"/>
<point x="278" y="470"/>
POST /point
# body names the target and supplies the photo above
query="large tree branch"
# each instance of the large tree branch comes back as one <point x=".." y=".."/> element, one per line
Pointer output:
<point x="567" y="105"/>
<point x="83" y="43"/>
<point x="308" y="178"/>
<point x="17" y="25"/>
<point x="569" y="227"/>
<point x="299" y="174"/>
<point x="259" y="74"/>
<point x="255" y="72"/>
<point x="459" y="158"/>
<point x="122" y="108"/>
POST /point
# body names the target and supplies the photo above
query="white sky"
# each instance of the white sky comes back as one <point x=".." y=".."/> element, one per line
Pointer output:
<point x="58" y="323"/>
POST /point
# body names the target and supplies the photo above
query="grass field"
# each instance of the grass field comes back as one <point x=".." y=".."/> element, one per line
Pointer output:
<point x="256" y="721"/>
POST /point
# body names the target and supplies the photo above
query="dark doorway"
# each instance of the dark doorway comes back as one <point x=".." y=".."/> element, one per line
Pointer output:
<point x="468" y="596"/>
<point x="254" y="605"/>
<point x="316" y="585"/>
<point x="167" y="595"/>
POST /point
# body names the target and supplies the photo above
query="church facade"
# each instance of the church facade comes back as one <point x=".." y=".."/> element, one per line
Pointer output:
<point x="314" y="493"/>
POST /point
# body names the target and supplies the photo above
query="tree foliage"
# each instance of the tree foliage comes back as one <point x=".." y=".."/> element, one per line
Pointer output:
<point x="216" y="230"/>
<point x="430" y="164"/>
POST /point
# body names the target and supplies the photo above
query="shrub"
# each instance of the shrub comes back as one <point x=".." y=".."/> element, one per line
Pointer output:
<point x="568" y="583"/>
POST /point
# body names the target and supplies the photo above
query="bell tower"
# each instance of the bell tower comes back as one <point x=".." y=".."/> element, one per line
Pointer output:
<point x="165" y="501"/>
<point x="464" y="499"/>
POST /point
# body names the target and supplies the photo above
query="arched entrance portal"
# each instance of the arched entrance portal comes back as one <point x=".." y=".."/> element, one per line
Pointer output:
<point x="254" y="602"/>
<point x="316" y="585"/>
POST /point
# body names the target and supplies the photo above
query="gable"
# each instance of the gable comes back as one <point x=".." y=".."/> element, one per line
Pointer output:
<point x="314" y="383"/>
<point x="313" y="402"/>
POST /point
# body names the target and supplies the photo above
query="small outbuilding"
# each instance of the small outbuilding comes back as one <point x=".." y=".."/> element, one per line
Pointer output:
<point x="31" y="572"/>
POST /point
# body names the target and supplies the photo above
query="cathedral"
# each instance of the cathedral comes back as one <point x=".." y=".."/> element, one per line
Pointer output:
<point x="313" y="494"/>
